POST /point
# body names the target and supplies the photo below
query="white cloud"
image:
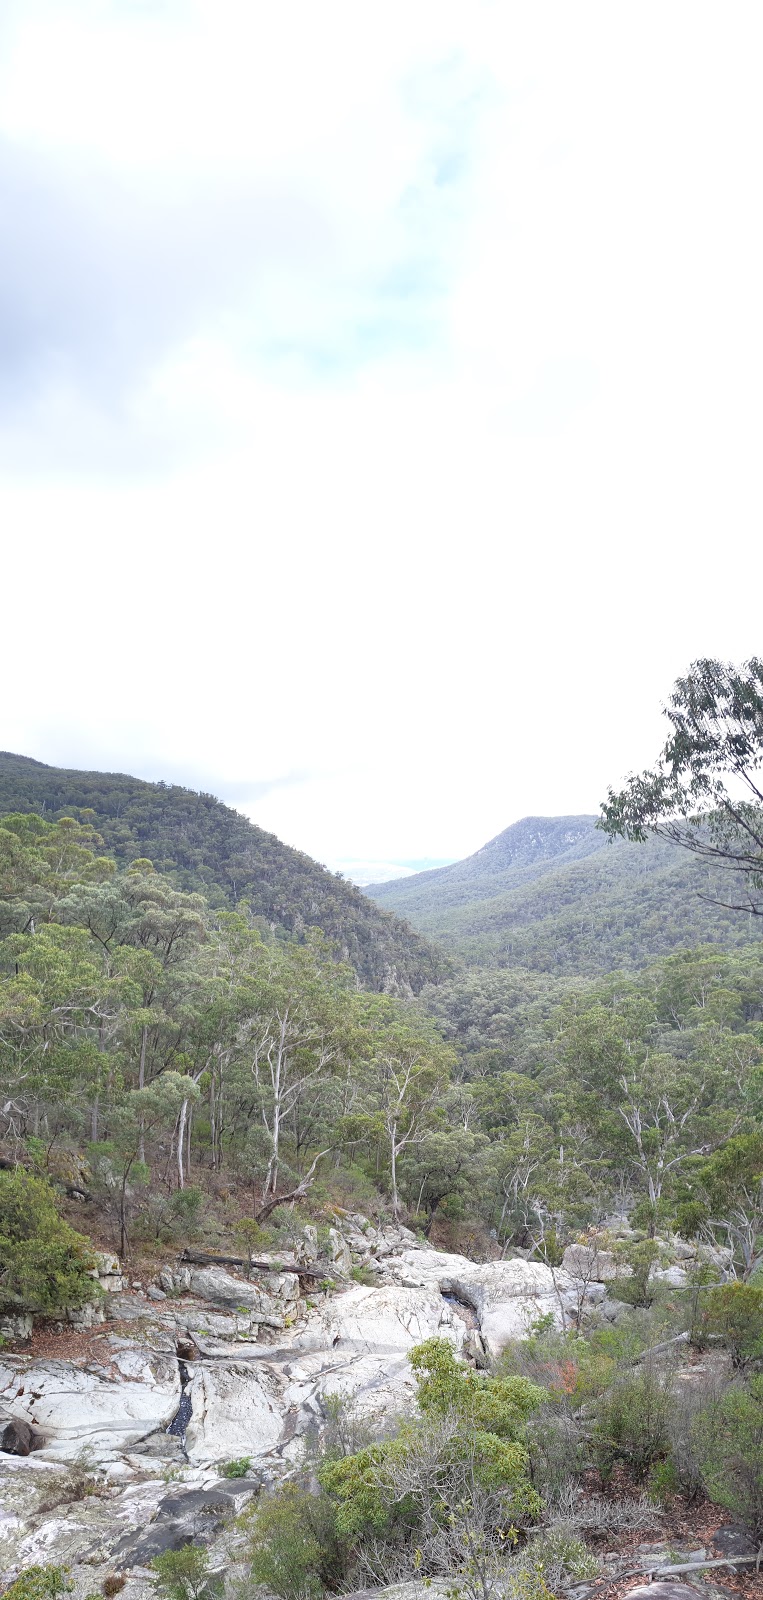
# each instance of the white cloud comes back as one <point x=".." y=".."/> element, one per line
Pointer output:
<point x="381" y="435"/>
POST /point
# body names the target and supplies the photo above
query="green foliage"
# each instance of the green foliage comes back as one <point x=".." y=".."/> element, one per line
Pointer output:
<point x="552" y="895"/>
<point x="692" y="795"/>
<point x="729" y="1442"/>
<point x="294" y="1551"/>
<point x="485" y="1423"/>
<point x="498" y="1406"/>
<point x="40" y="1583"/>
<point x="631" y="1425"/>
<point x="45" y="1264"/>
<point x="237" y="1468"/>
<point x="207" y="848"/>
<point x="184" y="1574"/>
<point x="733" y="1312"/>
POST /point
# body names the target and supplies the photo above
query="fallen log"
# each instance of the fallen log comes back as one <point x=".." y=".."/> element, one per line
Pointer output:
<point x="692" y="1566"/>
<point x="198" y="1258"/>
<point x="667" y="1344"/>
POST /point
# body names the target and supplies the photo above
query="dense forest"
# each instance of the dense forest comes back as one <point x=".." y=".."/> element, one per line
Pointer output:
<point x="207" y="848"/>
<point x="553" y="894"/>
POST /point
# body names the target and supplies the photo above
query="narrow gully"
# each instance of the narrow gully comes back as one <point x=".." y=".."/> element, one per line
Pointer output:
<point x="182" y="1416"/>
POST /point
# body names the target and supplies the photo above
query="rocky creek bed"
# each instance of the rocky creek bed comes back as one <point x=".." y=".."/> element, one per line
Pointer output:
<point x="209" y="1365"/>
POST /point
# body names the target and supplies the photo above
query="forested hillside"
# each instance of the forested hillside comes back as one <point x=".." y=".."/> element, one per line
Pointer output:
<point x="552" y="894"/>
<point x="207" y="848"/>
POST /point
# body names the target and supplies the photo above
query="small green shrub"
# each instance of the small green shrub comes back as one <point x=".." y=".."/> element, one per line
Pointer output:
<point x="662" y="1481"/>
<point x="184" y="1574"/>
<point x="40" y="1583"/>
<point x="562" y="1557"/>
<point x="365" y="1276"/>
<point x="294" y="1550"/>
<point x="728" y="1439"/>
<point x="631" y="1426"/>
<point x="734" y="1313"/>
<point x="237" y="1468"/>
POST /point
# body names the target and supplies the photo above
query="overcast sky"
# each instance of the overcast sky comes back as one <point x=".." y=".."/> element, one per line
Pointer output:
<point x="380" y="397"/>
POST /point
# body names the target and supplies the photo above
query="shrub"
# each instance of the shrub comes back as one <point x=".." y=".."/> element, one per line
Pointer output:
<point x="734" y="1313"/>
<point x="45" y="1263"/>
<point x="631" y="1426"/>
<point x="184" y="1574"/>
<point x="561" y="1556"/>
<point x="237" y="1468"/>
<point x="40" y="1583"/>
<point x="729" y="1443"/>
<point x="113" y="1584"/>
<point x="294" y="1550"/>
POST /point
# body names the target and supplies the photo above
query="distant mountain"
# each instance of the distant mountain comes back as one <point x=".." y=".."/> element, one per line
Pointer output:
<point x="553" y="894"/>
<point x="209" y="848"/>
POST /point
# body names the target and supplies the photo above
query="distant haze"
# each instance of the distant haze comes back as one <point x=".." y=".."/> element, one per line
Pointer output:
<point x="380" y="399"/>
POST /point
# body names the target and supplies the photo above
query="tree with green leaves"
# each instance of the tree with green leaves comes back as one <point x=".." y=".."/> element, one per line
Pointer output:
<point x="706" y="791"/>
<point x="44" y="1265"/>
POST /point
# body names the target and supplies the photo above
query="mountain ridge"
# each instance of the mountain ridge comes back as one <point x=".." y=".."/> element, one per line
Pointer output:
<point x="206" y="846"/>
<point x="553" y="894"/>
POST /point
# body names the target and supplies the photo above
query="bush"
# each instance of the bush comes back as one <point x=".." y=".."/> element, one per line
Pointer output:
<point x="40" y="1583"/>
<point x="631" y="1427"/>
<point x="237" y="1468"/>
<point x="113" y="1584"/>
<point x="734" y="1313"/>
<point x="294" y="1550"/>
<point x="729" y="1443"/>
<point x="184" y="1574"/>
<point x="45" y="1264"/>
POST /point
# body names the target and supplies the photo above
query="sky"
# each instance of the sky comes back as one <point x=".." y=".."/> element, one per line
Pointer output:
<point x="380" y="398"/>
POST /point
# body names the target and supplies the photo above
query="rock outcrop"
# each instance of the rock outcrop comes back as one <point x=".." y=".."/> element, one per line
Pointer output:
<point x="215" y="1365"/>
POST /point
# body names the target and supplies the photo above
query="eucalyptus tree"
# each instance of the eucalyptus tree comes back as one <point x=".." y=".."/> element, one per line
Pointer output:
<point x="705" y="791"/>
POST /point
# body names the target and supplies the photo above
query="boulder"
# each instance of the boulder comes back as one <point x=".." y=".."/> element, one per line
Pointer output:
<point x="72" y="1407"/>
<point x="17" y="1328"/>
<point x="17" y="1438"/>
<point x="506" y="1296"/>
<point x="338" y="1252"/>
<point x="219" y="1287"/>
<point x="586" y="1262"/>
<point x="675" y="1276"/>
<point x="306" y="1247"/>
<point x="734" y="1540"/>
<point x="235" y="1411"/>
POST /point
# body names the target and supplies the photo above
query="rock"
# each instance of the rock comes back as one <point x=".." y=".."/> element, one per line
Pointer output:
<point x="507" y="1296"/>
<point x="306" y="1247"/>
<point x="154" y="1293"/>
<point x="166" y="1280"/>
<point x="585" y="1261"/>
<point x="665" y="1589"/>
<point x="235" y="1412"/>
<point x="339" y="1252"/>
<point x="681" y="1249"/>
<point x="87" y="1316"/>
<point x="17" y="1438"/>
<point x="17" y="1328"/>
<point x="107" y="1265"/>
<point x="213" y="1283"/>
<point x="136" y="1285"/>
<point x="734" y="1540"/>
<point x="676" y="1277"/>
<point x="71" y="1407"/>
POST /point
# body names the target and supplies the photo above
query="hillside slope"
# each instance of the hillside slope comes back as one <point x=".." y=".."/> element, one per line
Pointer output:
<point x="209" y="848"/>
<point x="552" y="894"/>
